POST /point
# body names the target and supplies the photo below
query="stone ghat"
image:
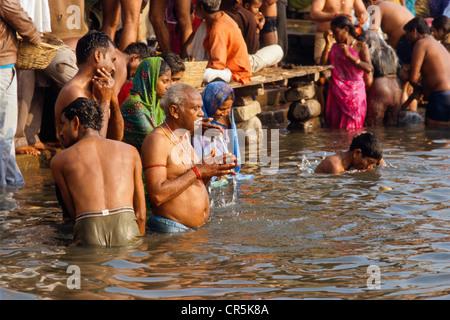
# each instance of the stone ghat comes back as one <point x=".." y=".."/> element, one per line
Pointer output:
<point x="280" y="97"/>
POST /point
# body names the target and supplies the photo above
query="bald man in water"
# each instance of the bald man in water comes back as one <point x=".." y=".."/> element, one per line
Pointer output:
<point x="176" y="178"/>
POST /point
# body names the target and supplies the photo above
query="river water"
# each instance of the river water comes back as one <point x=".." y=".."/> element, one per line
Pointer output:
<point x="289" y="234"/>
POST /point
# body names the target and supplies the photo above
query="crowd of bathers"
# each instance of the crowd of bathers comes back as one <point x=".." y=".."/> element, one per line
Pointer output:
<point x="124" y="120"/>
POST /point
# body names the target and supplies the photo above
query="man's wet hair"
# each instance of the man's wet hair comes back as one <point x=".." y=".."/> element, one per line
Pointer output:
<point x="441" y="22"/>
<point x="210" y="6"/>
<point x="176" y="95"/>
<point x="88" y="111"/>
<point x="141" y="49"/>
<point x="174" y="61"/>
<point x="418" y="24"/>
<point x="91" y="41"/>
<point x="369" y="145"/>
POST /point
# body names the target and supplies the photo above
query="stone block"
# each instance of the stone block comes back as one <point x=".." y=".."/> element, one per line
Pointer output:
<point x="307" y="125"/>
<point x="305" y="91"/>
<point x="252" y="129"/>
<point x="243" y="101"/>
<point x="244" y="113"/>
<point x="272" y="96"/>
<point x="249" y="90"/>
<point x="304" y="110"/>
<point x="27" y="161"/>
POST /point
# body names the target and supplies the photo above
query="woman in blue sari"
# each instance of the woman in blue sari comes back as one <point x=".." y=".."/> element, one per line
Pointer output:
<point x="218" y="99"/>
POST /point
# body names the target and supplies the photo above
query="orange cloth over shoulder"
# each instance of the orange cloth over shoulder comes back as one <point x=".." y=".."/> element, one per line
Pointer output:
<point x="227" y="49"/>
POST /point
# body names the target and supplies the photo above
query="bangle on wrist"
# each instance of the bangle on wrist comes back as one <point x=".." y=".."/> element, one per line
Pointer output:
<point x="199" y="176"/>
<point x="358" y="61"/>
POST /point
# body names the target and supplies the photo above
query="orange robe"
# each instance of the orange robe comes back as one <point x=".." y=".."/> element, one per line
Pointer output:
<point x="227" y="49"/>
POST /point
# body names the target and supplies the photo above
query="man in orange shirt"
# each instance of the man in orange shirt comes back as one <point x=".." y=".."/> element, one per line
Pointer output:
<point x="225" y="45"/>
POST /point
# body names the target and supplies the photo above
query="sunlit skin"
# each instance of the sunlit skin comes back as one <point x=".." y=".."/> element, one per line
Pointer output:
<point x="65" y="133"/>
<point x="164" y="82"/>
<point x="94" y="80"/>
<point x="87" y="172"/>
<point x="429" y="67"/>
<point x="132" y="65"/>
<point x="254" y="6"/>
<point x="344" y="39"/>
<point x="176" y="77"/>
<point x="222" y="114"/>
<point x="343" y="161"/>
<point x="171" y="183"/>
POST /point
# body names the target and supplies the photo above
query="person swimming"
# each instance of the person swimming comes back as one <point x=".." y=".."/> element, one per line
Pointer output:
<point x="365" y="151"/>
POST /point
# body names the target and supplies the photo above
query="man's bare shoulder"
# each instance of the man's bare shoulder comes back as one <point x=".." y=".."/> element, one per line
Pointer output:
<point x="394" y="10"/>
<point x="331" y="164"/>
<point x="69" y="92"/>
<point x="156" y="137"/>
<point x="120" y="146"/>
<point x="158" y="141"/>
<point x="425" y="44"/>
<point x="60" y="158"/>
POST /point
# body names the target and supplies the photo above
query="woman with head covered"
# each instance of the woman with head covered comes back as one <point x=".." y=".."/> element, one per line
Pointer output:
<point x="141" y="112"/>
<point x="218" y="98"/>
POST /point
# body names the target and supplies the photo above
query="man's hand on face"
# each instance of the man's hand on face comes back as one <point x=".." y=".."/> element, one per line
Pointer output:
<point x="102" y="86"/>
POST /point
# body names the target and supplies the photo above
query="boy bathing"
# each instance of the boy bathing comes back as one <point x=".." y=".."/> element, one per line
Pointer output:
<point x="365" y="151"/>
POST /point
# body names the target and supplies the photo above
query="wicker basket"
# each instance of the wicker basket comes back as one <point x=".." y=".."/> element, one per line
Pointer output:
<point x="31" y="56"/>
<point x="193" y="75"/>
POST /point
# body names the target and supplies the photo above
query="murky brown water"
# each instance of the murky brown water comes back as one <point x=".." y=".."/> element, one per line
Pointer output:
<point x="292" y="234"/>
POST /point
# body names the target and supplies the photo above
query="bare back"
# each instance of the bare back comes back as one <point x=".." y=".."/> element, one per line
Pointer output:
<point x="97" y="174"/>
<point x="331" y="164"/>
<point x="431" y="59"/>
<point x="393" y="18"/>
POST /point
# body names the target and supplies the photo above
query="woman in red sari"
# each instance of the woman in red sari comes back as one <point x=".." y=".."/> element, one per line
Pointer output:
<point x="346" y="100"/>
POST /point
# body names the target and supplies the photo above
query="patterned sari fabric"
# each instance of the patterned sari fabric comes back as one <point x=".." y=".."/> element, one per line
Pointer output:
<point x="141" y="112"/>
<point x="213" y="97"/>
<point x="346" y="102"/>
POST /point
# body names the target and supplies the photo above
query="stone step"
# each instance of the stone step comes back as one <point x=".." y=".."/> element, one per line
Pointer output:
<point x="272" y="96"/>
<point x="274" y="115"/>
<point x="26" y="161"/>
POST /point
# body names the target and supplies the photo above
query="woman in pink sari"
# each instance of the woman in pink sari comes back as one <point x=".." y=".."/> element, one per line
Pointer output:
<point x="346" y="101"/>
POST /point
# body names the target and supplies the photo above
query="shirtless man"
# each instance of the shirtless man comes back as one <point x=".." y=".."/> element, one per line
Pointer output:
<point x="175" y="177"/>
<point x="96" y="56"/>
<point x="269" y="31"/>
<point x="430" y="67"/>
<point x="364" y="152"/>
<point x="323" y="11"/>
<point x="392" y="19"/>
<point x="100" y="180"/>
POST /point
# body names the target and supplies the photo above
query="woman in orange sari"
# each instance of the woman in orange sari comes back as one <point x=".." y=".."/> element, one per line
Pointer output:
<point x="346" y="100"/>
